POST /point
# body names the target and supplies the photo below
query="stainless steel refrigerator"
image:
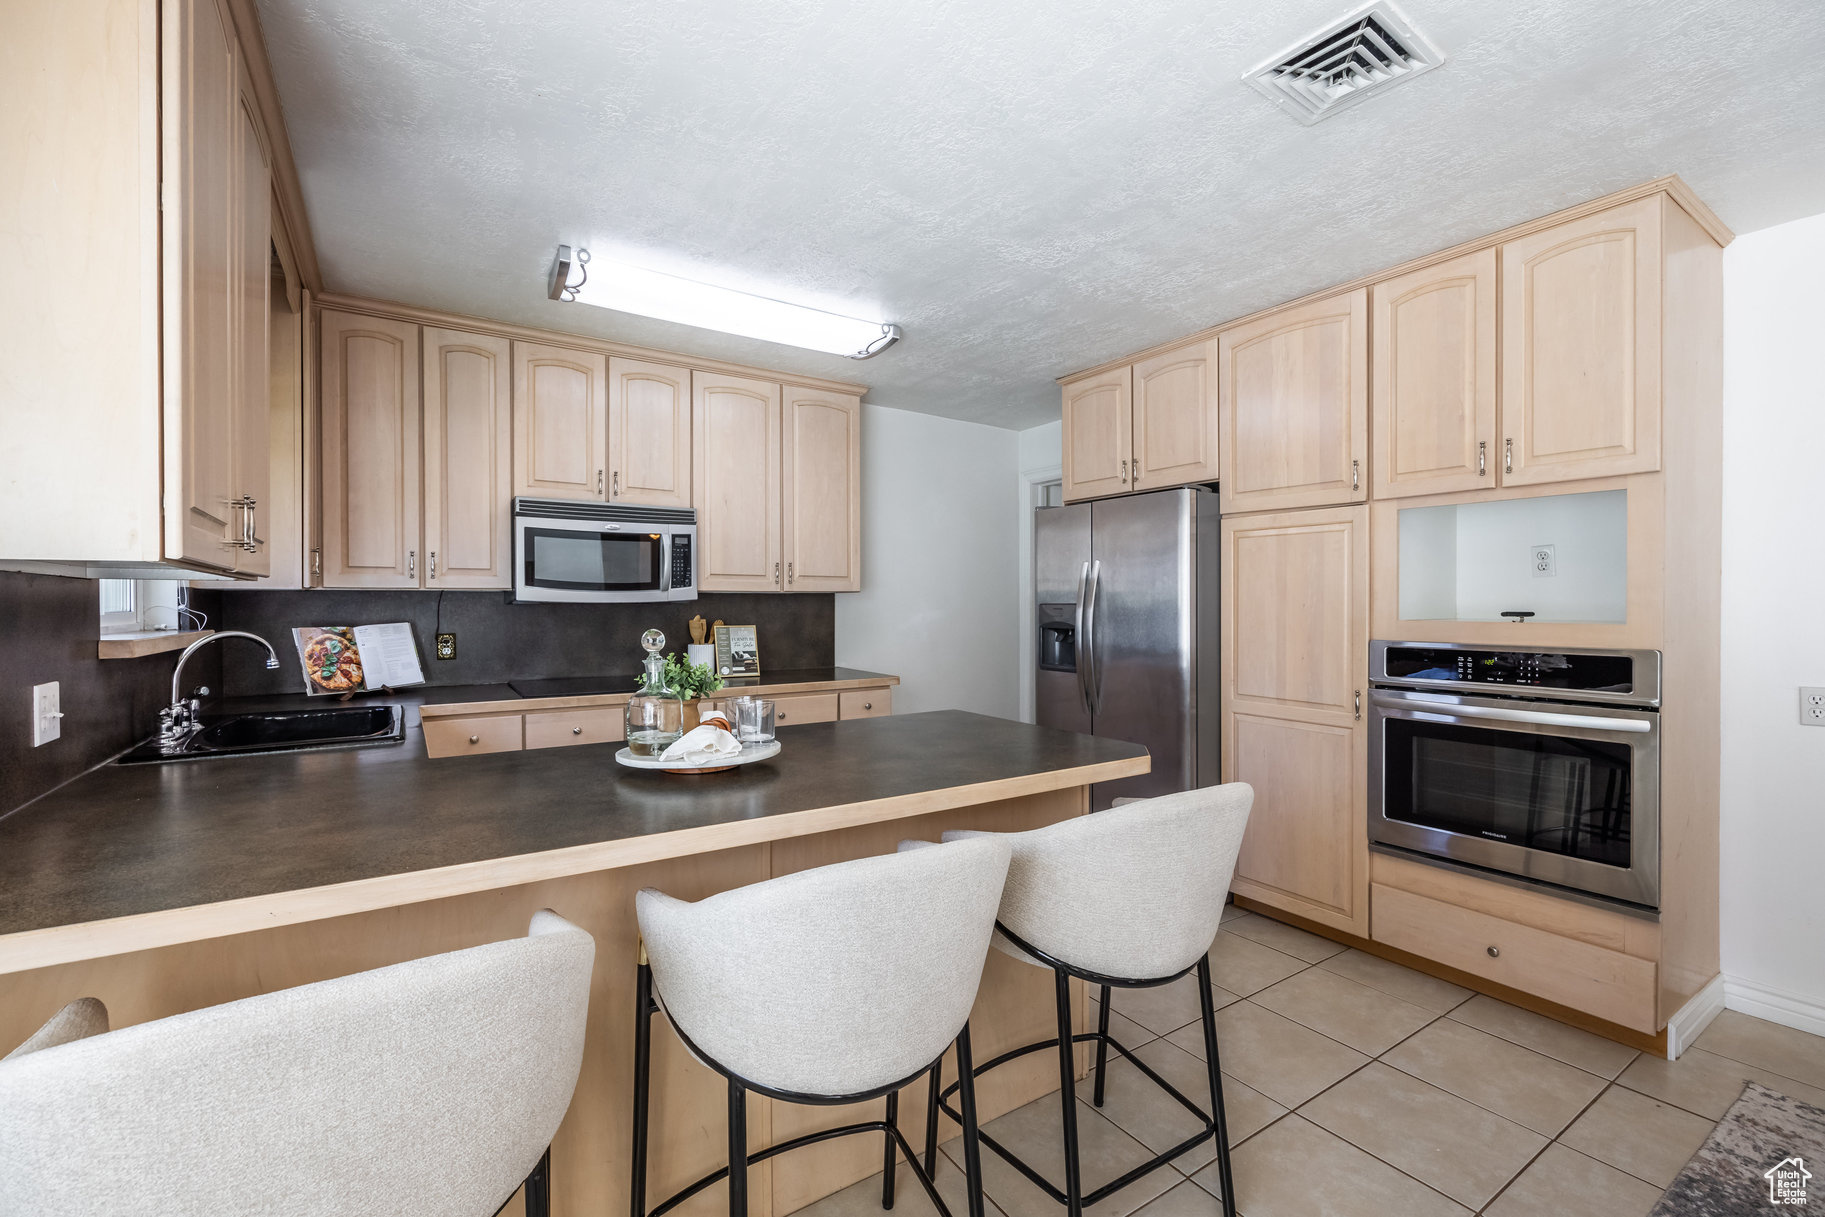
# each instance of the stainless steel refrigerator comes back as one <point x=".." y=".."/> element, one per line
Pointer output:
<point x="1125" y="593"/>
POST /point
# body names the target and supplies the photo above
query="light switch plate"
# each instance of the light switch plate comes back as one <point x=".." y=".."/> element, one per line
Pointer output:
<point x="47" y="713"/>
<point x="1812" y="707"/>
<point x="1544" y="566"/>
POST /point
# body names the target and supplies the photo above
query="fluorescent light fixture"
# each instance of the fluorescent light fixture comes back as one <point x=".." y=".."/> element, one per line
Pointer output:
<point x="631" y="289"/>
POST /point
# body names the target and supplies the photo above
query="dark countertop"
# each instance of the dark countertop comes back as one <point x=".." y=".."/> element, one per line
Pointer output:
<point x="586" y="686"/>
<point x="127" y="841"/>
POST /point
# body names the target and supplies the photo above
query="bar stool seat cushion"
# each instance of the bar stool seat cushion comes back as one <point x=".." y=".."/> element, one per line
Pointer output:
<point x="427" y="1089"/>
<point x="835" y="981"/>
<point x="1135" y="892"/>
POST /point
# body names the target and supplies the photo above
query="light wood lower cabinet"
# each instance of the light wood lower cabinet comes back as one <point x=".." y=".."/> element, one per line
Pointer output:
<point x="1293" y="397"/>
<point x="1434" y="388"/>
<point x="649" y="433"/>
<point x="793" y="709"/>
<point x="1295" y="655"/>
<point x="865" y="703"/>
<point x="821" y="490"/>
<point x="369" y="431"/>
<point x="562" y="728"/>
<point x="560" y="422"/>
<point x="481" y="733"/>
<point x="468" y="441"/>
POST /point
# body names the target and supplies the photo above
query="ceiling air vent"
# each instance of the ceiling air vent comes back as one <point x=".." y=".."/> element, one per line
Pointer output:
<point x="1350" y="59"/>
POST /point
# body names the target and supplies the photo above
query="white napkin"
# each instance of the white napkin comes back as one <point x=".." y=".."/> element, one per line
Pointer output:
<point x="709" y="741"/>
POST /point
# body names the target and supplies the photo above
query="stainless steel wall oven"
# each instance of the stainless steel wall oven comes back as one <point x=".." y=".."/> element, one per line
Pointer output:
<point x="1541" y="764"/>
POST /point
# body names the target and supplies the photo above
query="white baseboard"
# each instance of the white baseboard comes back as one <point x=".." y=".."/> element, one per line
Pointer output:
<point x="1807" y="1013"/>
<point x="1690" y="1021"/>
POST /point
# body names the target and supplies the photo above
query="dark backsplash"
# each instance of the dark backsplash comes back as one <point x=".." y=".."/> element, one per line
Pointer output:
<point x="48" y="631"/>
<point x="497" y="641"/>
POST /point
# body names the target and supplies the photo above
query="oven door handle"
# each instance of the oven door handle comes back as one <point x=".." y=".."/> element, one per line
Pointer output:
<point x="1544" y="718"/>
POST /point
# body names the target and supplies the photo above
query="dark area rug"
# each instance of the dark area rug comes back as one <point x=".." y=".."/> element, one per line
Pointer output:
<point x="1766" y="1140"/>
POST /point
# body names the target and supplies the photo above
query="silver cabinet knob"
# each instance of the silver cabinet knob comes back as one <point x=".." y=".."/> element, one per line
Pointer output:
<point x="867" y="705"/>
<point x="475" y="739"/>
<point x="1495" y="952"/>
<point x="576" y="731"/>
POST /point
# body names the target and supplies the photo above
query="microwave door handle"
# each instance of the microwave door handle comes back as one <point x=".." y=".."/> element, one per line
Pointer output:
<point x="665" y="562"/>
<point x="1544" y="718"/>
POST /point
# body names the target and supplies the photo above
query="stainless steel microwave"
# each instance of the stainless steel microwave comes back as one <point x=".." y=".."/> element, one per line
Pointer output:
<point x="571" y="551"/>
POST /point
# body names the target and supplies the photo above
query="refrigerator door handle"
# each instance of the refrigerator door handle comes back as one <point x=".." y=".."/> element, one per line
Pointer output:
<point x="1083" y="657"/>
<point x="1087" y="645"/>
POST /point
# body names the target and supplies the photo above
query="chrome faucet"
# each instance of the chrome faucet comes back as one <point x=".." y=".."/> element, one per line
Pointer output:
<point x="182" y="717"/>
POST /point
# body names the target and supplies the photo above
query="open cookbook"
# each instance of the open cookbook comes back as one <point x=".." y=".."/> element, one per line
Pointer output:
<point x="342" y="659"/>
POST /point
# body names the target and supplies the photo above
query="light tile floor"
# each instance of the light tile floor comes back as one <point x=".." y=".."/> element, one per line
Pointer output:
<point x="1356" y="1087"/>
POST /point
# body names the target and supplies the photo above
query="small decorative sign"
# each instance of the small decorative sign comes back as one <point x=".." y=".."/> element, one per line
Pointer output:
<point x="737" y="651"/>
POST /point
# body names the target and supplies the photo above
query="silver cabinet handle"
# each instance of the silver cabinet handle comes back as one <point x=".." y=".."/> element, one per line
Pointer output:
<point x="431" y="570"/>
<point x="1355" y="475"/>
<point x="790" y="577"/>
<point x="411" y="564"/>
<point x="1359" y="705"/>
<point x="614" y="483"/>
<point x="598" y="481"/>
<point x="1482" y="458"/>
<point x="776" y="581"/>
<point x="1508" y="456"/>
<point x="317" y="565"/>
<point x="1137" y="470"/>
<point x="1124" y="473"/>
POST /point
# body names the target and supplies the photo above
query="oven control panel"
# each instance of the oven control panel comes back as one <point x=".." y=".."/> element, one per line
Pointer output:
<point x="1570" y="671"/>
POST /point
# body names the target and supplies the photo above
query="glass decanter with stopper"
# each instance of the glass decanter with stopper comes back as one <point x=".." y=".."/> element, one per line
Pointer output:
<point x="655" y="714"/>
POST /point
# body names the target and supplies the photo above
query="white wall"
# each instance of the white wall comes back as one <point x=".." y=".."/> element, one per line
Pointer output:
<point x="1041" y="460"/>
<point x="1773" y="797"/>
<point x="939" y="589"/>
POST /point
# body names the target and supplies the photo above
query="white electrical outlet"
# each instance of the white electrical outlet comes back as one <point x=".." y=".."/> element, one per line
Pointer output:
<point x="1542" y="561"/>
<point x="47" y="713"/>
<point x="1812" y="707"/>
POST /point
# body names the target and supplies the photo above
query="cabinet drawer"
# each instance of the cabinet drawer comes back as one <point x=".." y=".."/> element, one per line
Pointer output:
<point x="561" y="728"/>
<point x="456" y="736"/>
<point x="865" y="703"/>
<point x="805" y="708"/>
<point x="1603" y="983"/>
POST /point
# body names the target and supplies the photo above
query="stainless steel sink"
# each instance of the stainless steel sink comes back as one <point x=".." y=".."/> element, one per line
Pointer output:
<point x="278" y="731"/>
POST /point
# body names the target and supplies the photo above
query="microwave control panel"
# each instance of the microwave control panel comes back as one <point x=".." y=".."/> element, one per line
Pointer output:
<point x="681" y="560"/>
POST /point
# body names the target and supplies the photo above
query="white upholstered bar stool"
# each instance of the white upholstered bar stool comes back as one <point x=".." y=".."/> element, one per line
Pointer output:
<point x="834" y="985"/>
<point x="428" y="1089"/>
<point x="1127" y="898"/>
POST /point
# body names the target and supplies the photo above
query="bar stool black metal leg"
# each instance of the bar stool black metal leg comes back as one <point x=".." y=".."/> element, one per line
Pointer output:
<point x="643" y="1052"/>
<point x="738" y="1149"/>
<point x="966" y="1102"/>
<point x="1102" y="1043"/>
<point x="1067" y="1096"/>
<point x="890" y="1158"/>
<point x="537" y="1193"/>
<point x="931" y="1119"/>
<point x="1208" y="1007"/>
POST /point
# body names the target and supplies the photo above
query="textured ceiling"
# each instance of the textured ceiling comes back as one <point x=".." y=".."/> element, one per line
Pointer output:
<point x="1026" y="188"/>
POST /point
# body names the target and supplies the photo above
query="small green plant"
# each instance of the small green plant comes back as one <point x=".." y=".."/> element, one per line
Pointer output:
<point x="690" y="680"/>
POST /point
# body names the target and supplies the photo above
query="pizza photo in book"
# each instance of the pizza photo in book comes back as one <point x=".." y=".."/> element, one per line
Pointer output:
<point x="340" y="659"/>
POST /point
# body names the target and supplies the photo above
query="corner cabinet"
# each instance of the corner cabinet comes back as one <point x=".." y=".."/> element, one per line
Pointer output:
<point x="736" y="446"/>
<point x="560" y="422"/>
<point x="1293" y="398"/>
<point x="821" y="490"/>
<point x="1434" y="388"/>
<point x="1295" y="659"/>
<point x="1581" y="338"/>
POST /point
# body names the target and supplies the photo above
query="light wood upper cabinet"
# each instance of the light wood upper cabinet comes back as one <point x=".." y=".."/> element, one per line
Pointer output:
<point x="736" y="453"/>
<point x="1098" y="435"/>
<point x="370" y="440"/>
<point x="649" y="433"/>
<point x="253" y="339"/>
<point x="1294" y="404"/>
<point x="468" y="439"/>
<point x="1434" y="387"/>
<point x="1295" y="656"/>
<point x="202" y="123"/>
<point x="1581" y="332"/>
<point x="1175" y="418"/>
<point x="560" y="422"/>
<point x="821" y="501"/>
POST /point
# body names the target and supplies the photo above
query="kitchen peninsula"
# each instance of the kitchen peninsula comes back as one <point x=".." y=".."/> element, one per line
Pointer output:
<point x="165" y="888"/>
